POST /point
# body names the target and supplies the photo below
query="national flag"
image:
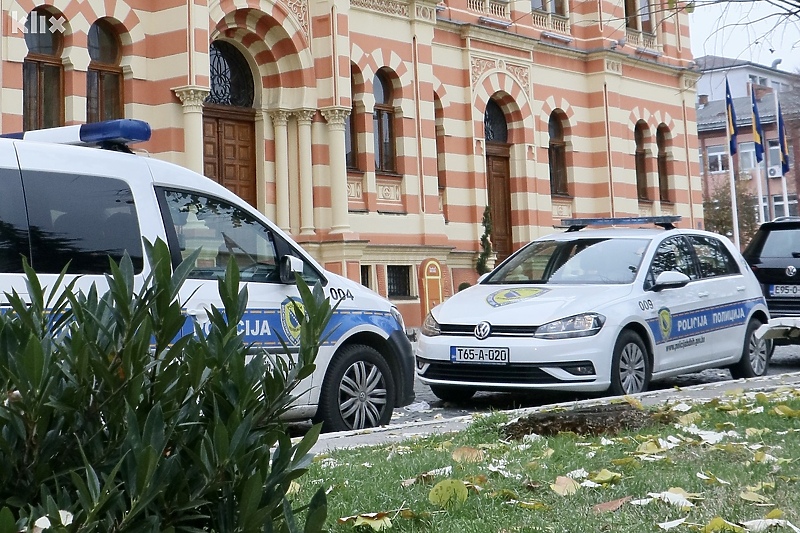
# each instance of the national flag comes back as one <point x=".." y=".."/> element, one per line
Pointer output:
<point x="758" y="133"/>
<point x="731" y="113"/>
<point x="782" y="140"/>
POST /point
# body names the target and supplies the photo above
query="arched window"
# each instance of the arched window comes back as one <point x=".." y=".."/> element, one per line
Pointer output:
<point x="557" y="154"/>
<point x="382" y="122"/>
<point x="104" y="77"/>
<point x="231" y="78"/>
<point x="351" y="133"/>
<point x="662" y="134"/>
<point x="42" y="74"/>
<point x="494" y="123"/>
<point x="640" y="133"/>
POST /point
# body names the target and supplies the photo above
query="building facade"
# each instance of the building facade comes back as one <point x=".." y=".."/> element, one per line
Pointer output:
<point x="777" y="191"/>
<point x="376" y="132"/>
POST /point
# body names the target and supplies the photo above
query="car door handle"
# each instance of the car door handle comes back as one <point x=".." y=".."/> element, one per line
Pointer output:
<point x="740" y="288"/>
<point x="703" y="294"/>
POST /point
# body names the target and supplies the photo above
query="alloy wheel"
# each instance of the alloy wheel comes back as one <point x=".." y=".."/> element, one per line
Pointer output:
<point x="362" y="395"/>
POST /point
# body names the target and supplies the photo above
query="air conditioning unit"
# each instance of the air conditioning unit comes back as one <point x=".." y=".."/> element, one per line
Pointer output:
<point x="774" y="172"/>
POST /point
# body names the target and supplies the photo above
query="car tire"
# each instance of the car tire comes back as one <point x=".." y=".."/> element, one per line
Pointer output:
<point x="630" y="367"/>
<point x="358" y="391"/>
<point x="452" y="394"/>
<point x="755" y="354"/>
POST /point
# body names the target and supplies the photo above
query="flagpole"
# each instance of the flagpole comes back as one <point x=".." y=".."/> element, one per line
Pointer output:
<point x="760" y="194"/>
<point x="757" y="137"/>
<point x="783" y="176"/>
<point x="730" y="129"/>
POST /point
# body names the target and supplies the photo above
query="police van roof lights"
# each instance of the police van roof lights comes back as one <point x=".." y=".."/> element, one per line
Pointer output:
<point x="576" y="224"/>
<point x="112" y="134"/>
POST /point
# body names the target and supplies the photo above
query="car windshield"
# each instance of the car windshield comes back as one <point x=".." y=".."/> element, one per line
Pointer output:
<point x="781" y="243"/>
<point x="577" y="261"/>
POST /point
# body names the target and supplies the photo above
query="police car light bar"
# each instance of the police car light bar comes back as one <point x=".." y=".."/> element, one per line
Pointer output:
<point x="576" y="224"/>
<point x="106" y="134"/>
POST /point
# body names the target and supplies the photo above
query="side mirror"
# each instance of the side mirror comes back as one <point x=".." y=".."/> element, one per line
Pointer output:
<point x="670" y="279"/>
<point x="288" y="267"/>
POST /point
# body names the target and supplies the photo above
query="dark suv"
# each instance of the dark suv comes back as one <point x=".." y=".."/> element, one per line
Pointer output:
<point x="774" y="256"/>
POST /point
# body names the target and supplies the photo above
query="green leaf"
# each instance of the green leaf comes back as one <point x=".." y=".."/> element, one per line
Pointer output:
<point x="7" y="522"/>
<point x="448" y="493"/>
<point x="317" y="512"/>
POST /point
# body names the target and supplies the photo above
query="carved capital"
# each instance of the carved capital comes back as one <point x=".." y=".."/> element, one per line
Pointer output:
<point x="336" y="115"/>
<point x="192" y="97"/>
<point x="279" y="117"/>
<point x="305" y="116"/>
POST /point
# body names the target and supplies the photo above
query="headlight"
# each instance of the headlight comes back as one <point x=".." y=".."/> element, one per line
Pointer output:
<point x="584" y="325"/>
<point x="397" y="316"/>
<point x="430" y="328"/>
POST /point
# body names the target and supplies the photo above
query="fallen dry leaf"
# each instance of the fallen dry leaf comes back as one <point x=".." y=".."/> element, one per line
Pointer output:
<point x="565" y="486"/>
<point x="467" y="454"/>
<point x="448" y="493"/>
<point x="611" y="506"/>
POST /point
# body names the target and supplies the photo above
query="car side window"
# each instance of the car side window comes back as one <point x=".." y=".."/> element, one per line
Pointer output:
<point x="80" y="220"/>
<point x="220" y="230"/>
<point x="672" y="254"/>
<point x="13" y="222"/>
<point x="713" y="257"/>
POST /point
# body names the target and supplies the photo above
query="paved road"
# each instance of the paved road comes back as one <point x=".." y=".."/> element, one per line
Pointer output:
<point x="429" y="407"/>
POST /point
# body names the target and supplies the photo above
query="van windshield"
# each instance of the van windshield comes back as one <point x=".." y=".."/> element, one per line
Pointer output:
<point x="578" y="261"/>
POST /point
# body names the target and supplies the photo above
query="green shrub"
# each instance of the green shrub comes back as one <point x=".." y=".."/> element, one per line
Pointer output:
<point x="112" y="418"/>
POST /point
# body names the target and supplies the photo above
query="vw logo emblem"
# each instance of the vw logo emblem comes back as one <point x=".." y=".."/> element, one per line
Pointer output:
<point x="790" y="271"/>
<point x="482" y="330"/>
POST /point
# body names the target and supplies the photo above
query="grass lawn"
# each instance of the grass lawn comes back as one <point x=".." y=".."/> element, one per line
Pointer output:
<point x="732" y="464"/>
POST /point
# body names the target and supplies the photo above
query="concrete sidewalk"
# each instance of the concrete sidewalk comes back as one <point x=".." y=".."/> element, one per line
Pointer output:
<point x="399" y="432"/>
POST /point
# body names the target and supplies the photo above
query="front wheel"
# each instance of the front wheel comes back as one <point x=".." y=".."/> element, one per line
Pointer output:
<point x="755" y="354"/>
<point x="358" y="391"/>
<point x="630" y="368"/>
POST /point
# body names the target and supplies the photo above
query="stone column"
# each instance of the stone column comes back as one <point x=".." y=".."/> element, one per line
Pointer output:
<point x="192" y="98"/>
<point x="304" y="118"/>
<point x="336" y="117"/>
<point x="279" y="120"/>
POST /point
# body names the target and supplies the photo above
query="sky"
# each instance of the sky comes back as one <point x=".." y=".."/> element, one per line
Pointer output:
<point x="751" y="30"/>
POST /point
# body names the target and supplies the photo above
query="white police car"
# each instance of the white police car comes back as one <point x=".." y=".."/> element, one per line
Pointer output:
<point x="61" y="203"/>
<point x="596" y="310"/>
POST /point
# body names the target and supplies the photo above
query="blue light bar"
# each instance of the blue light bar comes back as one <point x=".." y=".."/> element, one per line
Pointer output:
<point x="107" y="133"/>
<point x="575" y="224"/>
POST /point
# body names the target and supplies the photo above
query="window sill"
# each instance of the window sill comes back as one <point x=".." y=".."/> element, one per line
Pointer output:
<point x="390" y="212"/>
<point x="388" y="173"/>
<point x="561" y="195"/>
<point x="403" y="298"/>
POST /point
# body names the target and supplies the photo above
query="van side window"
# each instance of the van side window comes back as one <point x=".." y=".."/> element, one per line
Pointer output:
<point x="713" y="256"/>
<point x="673" y="254"/>
<point x="80" y="220"/>
<point x="221" y="231"/>
<point x="13" y="223"/>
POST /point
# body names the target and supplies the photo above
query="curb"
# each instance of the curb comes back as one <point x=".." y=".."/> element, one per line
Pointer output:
<point x="399" y="432"/>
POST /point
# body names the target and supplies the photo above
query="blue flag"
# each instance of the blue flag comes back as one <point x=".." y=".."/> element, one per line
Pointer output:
<point x="782" y="140"/>
<point x="758" y="133"/>
<point x="731" y="117"/>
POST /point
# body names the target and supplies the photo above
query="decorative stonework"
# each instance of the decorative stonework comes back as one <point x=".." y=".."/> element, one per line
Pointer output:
<point x="355" y="189"/>
<point x="521" y="73"/>
<point x="479" y="65"/>
<point x="299" y="8"/>
<point x="192" y="97"/>
<point x="389" y="191"/>
<point x="425" y="13"/>
<point x="305" y="116"/>
<point x="279" y="117"/>
<point x="645" y="210"/>
<point x="389" y="7"/>
<point x="562" y="208"/>
<point x="613" y="66"/>
<point x="336" y="115"/>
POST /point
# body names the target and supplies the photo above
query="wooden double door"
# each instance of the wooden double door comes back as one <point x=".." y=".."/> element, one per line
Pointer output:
<point x="229" y="155"/>
<point x="498" y="179"/>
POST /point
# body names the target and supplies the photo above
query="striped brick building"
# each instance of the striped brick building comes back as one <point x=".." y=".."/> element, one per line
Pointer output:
<point x="377" y="131"/>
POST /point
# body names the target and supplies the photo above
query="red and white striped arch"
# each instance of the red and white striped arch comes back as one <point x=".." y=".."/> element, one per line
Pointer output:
<point x="510" y="96"/>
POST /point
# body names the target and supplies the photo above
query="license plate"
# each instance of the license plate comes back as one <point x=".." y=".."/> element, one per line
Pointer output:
<point x="784" y="291"/>
<point x="491" y="356"/>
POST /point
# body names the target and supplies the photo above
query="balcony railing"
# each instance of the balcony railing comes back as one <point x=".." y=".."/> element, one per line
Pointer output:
<point x="550" y="21"/>
<point x="643" y="41"/>
<point x="490" y="8"/>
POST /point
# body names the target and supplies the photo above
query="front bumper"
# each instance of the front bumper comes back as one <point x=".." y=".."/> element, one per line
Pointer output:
<point x="404" y="369"/>
<point x="577" y="364"/>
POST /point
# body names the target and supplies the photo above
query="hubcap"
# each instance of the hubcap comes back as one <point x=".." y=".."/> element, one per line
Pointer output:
<point x="632" y="368"/>
<point x="362" y="395"/>
<point x="759" y="354"/>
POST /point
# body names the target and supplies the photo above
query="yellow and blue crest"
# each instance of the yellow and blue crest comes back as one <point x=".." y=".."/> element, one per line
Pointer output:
<point x="665" y="322"/>
<point x="289" y="320"/>
<point x="512" y="296"/>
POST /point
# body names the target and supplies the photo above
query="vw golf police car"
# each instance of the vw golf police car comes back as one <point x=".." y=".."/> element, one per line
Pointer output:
<point x="596" y="310"/>
<point x="61" y="203"/>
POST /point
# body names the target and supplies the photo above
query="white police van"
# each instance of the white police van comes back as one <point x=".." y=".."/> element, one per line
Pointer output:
<point x="62" y="203"/>
<point x="596" y="310"/>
